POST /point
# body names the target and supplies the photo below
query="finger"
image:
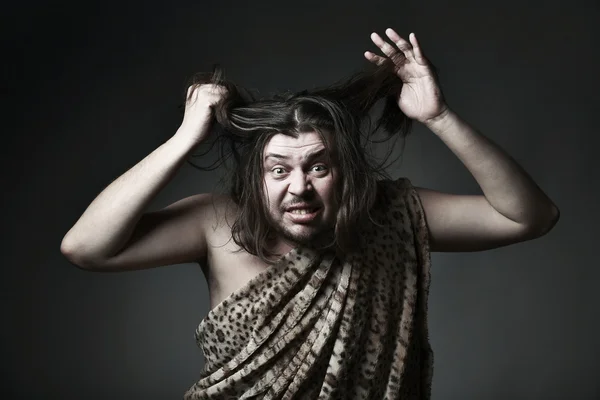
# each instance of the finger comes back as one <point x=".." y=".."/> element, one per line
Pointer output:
<point x="192" y="92"/>
<point x="217" y="89"/>
<point x="375" y="59"/>
<point x="396" y="56"/>
<point x="402" y="44"/>
<point x="206" y="90"/>
<point x="212" y="91"/>
<point x="419" y="56"/>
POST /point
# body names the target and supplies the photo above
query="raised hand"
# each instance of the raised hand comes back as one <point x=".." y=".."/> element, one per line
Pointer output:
<point x="421" y="97"/>
<point x="198" y="109"/>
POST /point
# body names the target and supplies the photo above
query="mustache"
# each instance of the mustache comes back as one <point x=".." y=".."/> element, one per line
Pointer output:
<point x="299" y="202"/>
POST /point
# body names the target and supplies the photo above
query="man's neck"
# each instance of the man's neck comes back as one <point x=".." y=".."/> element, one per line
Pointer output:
<point x="282" y="246"/>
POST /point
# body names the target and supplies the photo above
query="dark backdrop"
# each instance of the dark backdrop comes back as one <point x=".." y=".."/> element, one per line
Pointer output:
<point x="88" y="90"/>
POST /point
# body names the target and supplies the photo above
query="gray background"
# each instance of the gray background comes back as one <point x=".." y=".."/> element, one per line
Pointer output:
<point x="90" y="90"/>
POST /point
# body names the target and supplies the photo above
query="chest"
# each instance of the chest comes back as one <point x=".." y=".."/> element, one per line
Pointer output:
<point x="228" y="268"/>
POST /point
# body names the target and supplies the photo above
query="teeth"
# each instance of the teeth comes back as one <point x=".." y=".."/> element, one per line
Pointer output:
<point x="301" y="211"/>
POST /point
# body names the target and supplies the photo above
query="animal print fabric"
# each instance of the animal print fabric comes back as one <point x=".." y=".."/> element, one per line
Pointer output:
<point x="314" y="326"/>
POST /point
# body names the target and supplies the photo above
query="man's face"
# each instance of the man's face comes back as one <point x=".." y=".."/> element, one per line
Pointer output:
<point x="300" y="183"/>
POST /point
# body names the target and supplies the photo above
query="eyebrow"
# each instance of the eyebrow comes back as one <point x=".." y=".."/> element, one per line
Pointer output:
<point x="309" y="156"/>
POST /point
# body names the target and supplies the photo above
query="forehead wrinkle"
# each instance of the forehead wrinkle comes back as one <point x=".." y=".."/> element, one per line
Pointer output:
<point x="307" y="155"/>
<point x="302" y="147"/>
<point x="317" y="142"/>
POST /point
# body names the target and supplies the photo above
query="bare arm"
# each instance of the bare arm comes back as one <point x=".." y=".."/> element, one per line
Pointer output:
<point x="115" y="228"/>
<point x="505" y="184"/>
<point x="512" y="209"/>
<point x="109" y="221"/>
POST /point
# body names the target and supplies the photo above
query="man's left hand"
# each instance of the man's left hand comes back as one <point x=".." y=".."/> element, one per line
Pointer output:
<point x="421" y="97"/>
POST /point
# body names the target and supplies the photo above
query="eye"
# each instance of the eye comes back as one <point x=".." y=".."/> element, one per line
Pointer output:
<point x="319" y="168"/>
<point x="278" y="171"/>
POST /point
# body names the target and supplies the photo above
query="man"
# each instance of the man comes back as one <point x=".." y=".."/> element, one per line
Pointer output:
<point x="302" y="306"/>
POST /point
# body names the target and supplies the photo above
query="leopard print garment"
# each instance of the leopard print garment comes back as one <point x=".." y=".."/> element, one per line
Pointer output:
<point x="316" y="327"/>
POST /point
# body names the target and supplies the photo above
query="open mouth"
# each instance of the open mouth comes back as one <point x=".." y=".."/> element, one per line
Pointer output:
<point x="303" y="211"/>
<point x="304" y="215"/>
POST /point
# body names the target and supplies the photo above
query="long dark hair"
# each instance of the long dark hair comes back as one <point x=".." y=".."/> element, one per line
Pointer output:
<point x="246" y="122"/>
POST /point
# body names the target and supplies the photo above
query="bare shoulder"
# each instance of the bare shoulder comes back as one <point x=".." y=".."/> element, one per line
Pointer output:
<point x="215" y="209"/>
<point x="205" y="209"/>
<point x="179" y="233"/>
<point x="216" y="213"/>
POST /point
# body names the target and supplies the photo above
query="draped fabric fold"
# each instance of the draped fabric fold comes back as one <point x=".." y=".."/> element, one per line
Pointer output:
<point x="315" y="326"/>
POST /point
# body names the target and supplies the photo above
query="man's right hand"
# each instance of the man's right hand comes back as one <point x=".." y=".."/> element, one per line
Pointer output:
<point x="198" y="115"/>
<point x="116" y="232"/>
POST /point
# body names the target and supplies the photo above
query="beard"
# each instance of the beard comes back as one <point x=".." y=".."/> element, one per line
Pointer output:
<point x="303" y="237"/>
<point x="318" y="235"/>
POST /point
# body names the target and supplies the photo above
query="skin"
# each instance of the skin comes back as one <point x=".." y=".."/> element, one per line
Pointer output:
<point x="298" y="173"/>
<point x="512" y="208"/>
<point x="115" y="233"/>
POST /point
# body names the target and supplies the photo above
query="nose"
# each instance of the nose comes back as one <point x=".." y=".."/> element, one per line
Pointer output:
<point x="299" y="183"/>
